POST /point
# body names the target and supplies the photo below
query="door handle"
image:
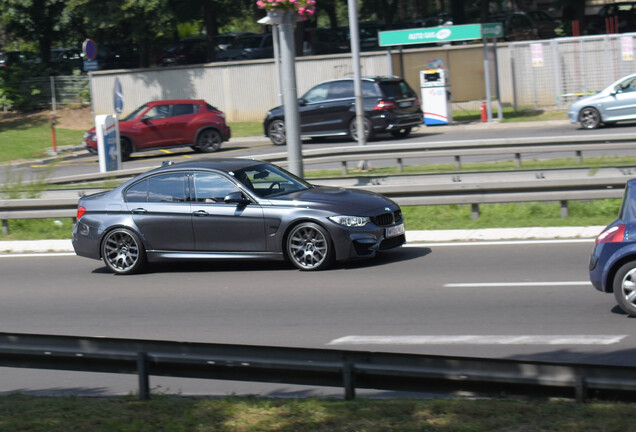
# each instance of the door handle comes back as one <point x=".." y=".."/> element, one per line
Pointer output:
<point x="200" y="213"/>
<point x="140" y="210"/>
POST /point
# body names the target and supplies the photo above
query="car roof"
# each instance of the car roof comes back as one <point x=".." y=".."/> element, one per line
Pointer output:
<point x="372" y="79"/>
<point x="222" y="164"/>
<point x="175" y="101"/>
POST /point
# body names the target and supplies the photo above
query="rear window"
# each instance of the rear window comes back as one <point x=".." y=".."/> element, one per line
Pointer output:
<point x="628" y="206"/>
<point x="396" y="89"/>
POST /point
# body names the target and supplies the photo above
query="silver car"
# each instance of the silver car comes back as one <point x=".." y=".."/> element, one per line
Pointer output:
<point x="615" y="103"/>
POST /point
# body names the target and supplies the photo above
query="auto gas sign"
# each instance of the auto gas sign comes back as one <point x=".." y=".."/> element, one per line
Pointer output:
<point x="437" y="34"/>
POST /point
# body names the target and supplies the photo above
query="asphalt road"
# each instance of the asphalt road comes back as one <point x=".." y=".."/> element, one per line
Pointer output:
<point x="256" y="146"/>
<point x="525" y="301"/>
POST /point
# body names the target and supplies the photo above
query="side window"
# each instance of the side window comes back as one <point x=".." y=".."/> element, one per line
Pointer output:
<point x="211" y="188"/>
<point x="183" y="109"/>
<point x="167" y="188"/>
<point x="158" y="112"/>
<point x="370" y="90"/>
<point x="138" y="192"/>
<point x="316" y="94"/>
<point x="340" y="90"/>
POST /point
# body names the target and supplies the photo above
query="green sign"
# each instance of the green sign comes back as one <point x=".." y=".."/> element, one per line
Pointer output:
<point x="439" y="34"/>
<point x="492" y="30"/>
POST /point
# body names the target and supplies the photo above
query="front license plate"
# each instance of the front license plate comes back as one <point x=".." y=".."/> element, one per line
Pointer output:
<point x="395" y="231"/>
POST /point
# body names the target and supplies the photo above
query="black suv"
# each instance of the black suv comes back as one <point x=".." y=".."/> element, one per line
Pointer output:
<point x="328" y="109"/>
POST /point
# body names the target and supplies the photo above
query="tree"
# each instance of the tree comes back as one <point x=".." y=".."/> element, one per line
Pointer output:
<point x="42" y="21"/>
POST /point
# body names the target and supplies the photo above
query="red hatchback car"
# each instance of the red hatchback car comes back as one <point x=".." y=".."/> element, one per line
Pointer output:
<point x="169" y="123"/>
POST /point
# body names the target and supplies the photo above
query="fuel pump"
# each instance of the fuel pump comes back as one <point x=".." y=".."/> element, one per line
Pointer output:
<point x="436" y="102"/>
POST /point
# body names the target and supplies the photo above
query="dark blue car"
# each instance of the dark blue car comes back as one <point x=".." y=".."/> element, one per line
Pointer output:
<point x="613" y="261"/>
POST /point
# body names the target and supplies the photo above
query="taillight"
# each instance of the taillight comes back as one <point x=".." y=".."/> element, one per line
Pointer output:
<point x="615" y="234"/>
<point x="80" y="212"/>
<point x="417" y="101"/>
<point x="384" y="105"/>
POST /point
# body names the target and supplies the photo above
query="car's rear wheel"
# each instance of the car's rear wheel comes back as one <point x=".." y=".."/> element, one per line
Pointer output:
<point x="209" y="141"/>
<point x="589" y="118"/>
<point x="624" y="285"/>
<point x="353" y="129"/>
<point x="125" y="148"/>
<point x="123" y="252"/>
<point x="276" y="132"/>
<point x="401" y="133"/>
<point x="309" y="247"/>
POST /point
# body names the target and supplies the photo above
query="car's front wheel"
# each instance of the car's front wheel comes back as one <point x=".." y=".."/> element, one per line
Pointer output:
<point x="309" y="247"/>
<point x="209" y="141"/>
<point x="125" y="148"/>
<point x="353" y="129"/>
<point x="589" y="118"/>
<point x="123" y="252"/>
<point x="624" y="285"/>
<point x="276" y="132"/>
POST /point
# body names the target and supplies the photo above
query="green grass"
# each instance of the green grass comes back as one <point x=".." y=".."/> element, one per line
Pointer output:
<point x="20" y="413"/>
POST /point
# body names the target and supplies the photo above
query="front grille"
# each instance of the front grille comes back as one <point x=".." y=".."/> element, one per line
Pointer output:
<point x="386" y="219"/>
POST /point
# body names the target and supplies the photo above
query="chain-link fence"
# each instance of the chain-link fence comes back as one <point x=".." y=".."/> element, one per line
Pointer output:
<point x="58" y="90"/>
<point x="556" y="72"/>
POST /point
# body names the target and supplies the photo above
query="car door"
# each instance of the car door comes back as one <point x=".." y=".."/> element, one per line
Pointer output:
<point x="160" y="208"/>
<point x="327" y="108"/>
<point x="224" y="227"/>
<point x="155" y="128"/>
<point x="181" y="115"/>
<point x="621" y="105"/>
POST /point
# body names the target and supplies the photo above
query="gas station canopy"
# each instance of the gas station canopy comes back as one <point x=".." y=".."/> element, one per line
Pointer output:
<point x="440" y="34"/>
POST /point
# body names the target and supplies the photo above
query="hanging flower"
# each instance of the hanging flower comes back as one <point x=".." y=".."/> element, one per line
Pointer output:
<point x="305" y="8"/>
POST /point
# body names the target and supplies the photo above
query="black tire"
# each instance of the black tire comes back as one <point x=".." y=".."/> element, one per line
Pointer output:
<point x="209" y="141"/>
<point x="401" y="133"/>
<point x="122" y="252"/>
<point x="624" y="285"/>
<point x="125" y="149"/>
<point x="276" y="132"/>
<point x="589" y="118"/>
<point x="353" y="129"/>
<point x="309" y="247"/>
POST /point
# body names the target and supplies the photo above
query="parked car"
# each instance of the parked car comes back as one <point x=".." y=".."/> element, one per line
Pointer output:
<point x="189" y="50"/>
<point x="237" y="209"/>
<point x="613" y="260"/>
<point x="547" y="27"/>
<point x="328" y="109"/>
<point x="249" y="47"/>
<point x="517" y="26"/>
<point x="169" y="123"/>
<point x="67" y="60"/>
<point x="616" y="102"/>
<point x="622" y="13"/>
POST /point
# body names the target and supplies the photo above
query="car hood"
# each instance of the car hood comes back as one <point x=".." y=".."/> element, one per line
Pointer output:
<point x="339" y="200"/>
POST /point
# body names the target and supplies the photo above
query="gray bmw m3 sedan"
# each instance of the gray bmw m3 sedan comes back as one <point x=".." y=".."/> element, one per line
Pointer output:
<point x="232" y="209"/>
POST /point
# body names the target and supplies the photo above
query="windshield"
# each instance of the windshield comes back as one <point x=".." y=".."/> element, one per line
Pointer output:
<point x="268" y="181"/>
<point x="134" y="114"/>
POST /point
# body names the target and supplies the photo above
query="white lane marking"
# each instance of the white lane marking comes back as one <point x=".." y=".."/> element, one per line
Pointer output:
<point x="516" y="284"/>
<point x="481" y="340"/>
<point x="496" y="242"/>
<point x="35" y="255"/>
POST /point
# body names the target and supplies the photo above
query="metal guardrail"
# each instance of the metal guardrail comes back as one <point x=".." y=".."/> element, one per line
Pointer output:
<point x="411" y="194"/>
<point x="350" y="370"/>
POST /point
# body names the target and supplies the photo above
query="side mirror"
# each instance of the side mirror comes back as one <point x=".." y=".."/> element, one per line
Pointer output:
<point x="302" y="102"/>
<point x="236" y="198"/>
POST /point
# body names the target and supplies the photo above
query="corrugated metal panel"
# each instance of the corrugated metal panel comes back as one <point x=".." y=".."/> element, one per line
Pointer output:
<point x="243" y="90"/>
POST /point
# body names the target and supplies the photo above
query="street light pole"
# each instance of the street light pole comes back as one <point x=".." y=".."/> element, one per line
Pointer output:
<point x="357" y="82"/>
<point x="290" y="97"/>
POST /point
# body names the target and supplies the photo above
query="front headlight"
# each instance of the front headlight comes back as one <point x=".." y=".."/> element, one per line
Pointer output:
<point x="350" y="221"/>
